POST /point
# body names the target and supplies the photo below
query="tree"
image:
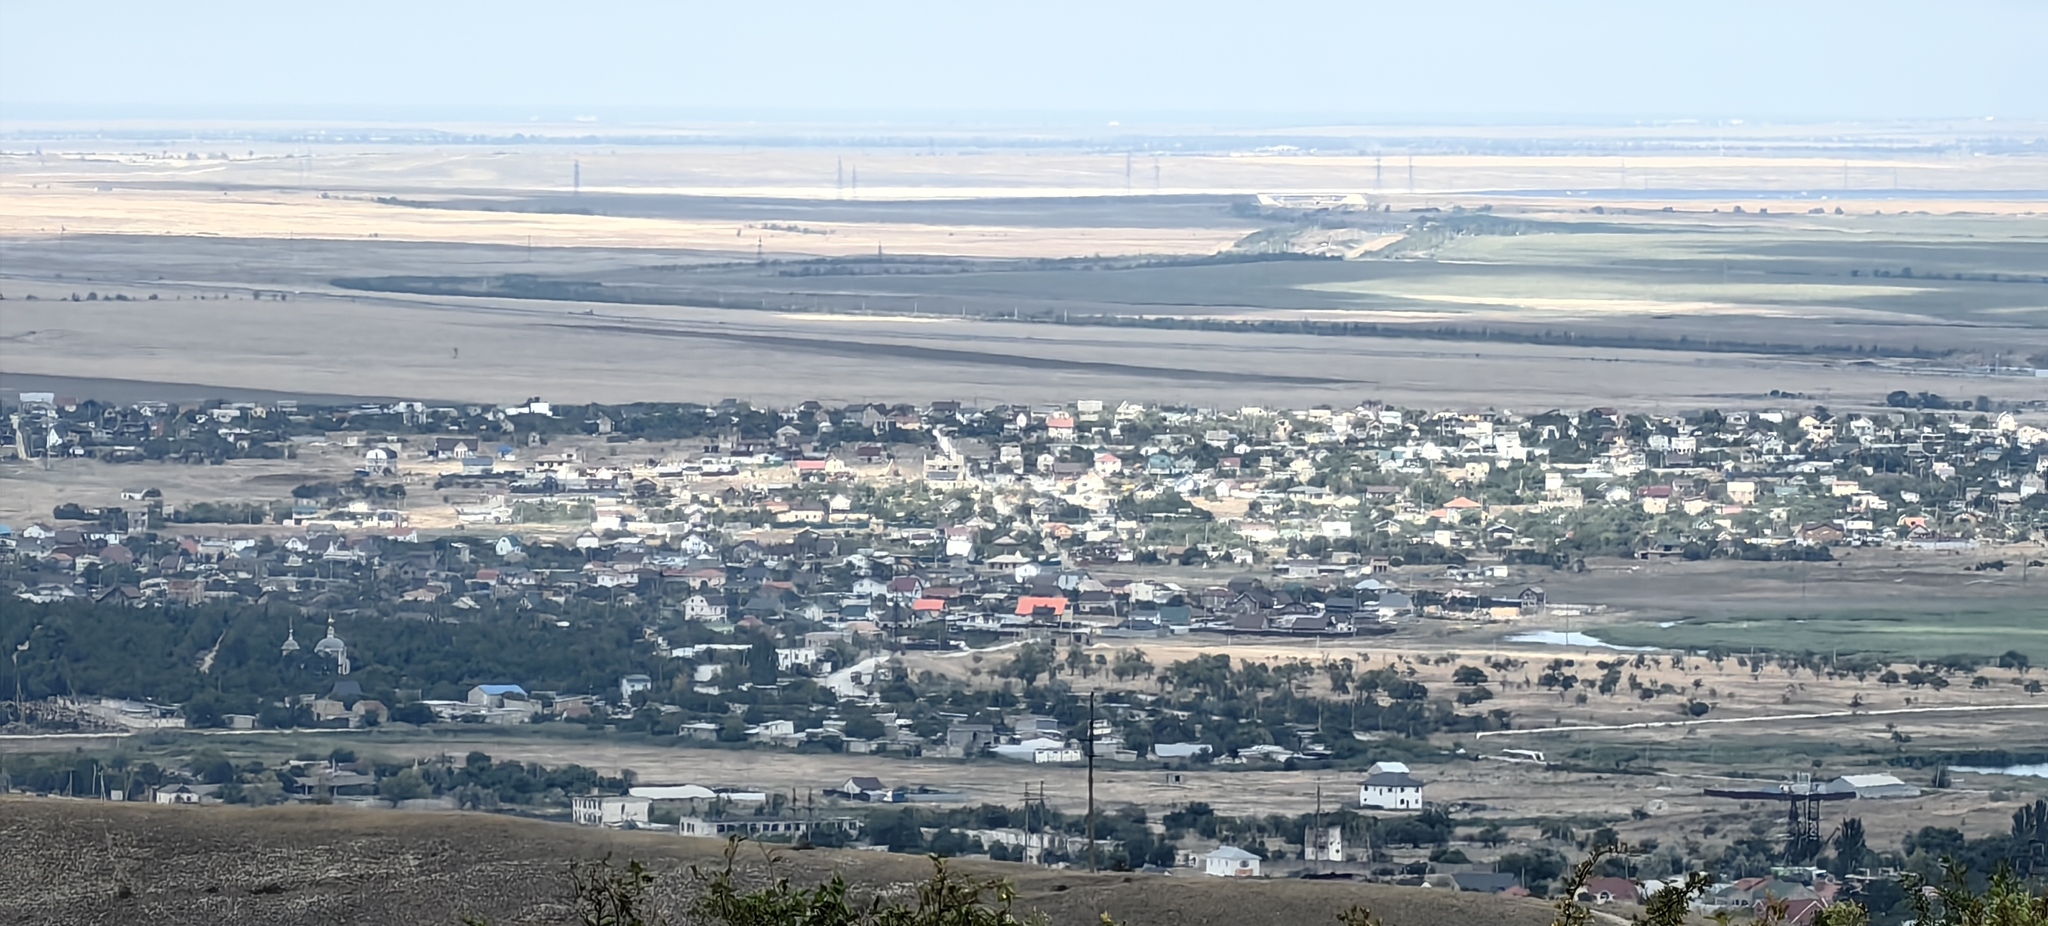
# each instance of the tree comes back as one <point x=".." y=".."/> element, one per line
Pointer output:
<point x="413" y="713"/>
<point x="864" y="727"/>
<point x="1032" y="661"/>
<point x="1131" y="664"/>
<point x="1534" y="868"/>
<point x="1077" y="662"/>
<point x="1670" y="906"/>
<point x="1469" y="675"/>
<point x="897" y="830"/>
<point x="2006" y="901"/>
<point x="204" y="710"/>
<point x="1850" y="848"/>
<point x="407" y="785"/>
<point x="1402" y="689"/>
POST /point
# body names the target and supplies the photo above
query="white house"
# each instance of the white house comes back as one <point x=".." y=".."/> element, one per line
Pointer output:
<point x="794" y="657"/>
<point x="178" y="795"/>
<point x="1389" y="786"/>
<point x="1231" y="862"/>
<point x="700" y="608"/>
<point x="610" y="811"/>
<point x="630" y="684"/>
<point x="1041" y="750"/>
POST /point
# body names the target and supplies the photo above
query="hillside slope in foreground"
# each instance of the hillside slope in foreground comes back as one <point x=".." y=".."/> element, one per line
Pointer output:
<point x="78" y="862"/>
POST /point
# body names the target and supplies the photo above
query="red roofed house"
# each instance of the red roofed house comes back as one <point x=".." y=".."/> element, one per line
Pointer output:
<point x="1035" y="605"/>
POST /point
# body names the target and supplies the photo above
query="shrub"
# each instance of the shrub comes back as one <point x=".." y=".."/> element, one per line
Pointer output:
<point x="944" y="899"/>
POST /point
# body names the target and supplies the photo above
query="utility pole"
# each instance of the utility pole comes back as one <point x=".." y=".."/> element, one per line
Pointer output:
<point x="1042" y="842"/>
<point x="1092" y="859"/>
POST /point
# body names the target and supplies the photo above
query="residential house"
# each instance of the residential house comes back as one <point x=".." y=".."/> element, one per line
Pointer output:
<point x="1231" y="862"/>
<point x="1390" y="786"/>
<point x="177" y="794"/>
<point x="865" y="788"/>
<point x="610" y="810"/>
<point x="1610" y="890"/>
<point x="1485" y="882"/>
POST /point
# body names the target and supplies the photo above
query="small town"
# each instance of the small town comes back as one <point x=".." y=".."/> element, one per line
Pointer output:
<point x="954" y="516"/>
<point x="1127" y="464"/>
<point x="1161" y="594"/>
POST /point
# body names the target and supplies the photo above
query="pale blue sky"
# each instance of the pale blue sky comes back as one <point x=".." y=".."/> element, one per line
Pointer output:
<point x="857" y="59"/>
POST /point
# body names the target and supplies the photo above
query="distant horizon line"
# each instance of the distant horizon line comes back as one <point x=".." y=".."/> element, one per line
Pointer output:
<point x="614" y="117"/>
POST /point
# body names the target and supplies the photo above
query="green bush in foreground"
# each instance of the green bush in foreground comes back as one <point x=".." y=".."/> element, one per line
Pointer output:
<point x="944" y="899"/>
<point x="2006" y="901"/>
<point x="612" y="896"/>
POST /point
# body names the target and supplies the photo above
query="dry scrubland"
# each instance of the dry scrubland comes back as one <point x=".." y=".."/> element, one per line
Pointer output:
<point x="343" y="344"/>
<point x="330" y="191"/>
<point x="64" y="862"/>
<point x="306" y="214"/>
<point x="142" y="219"/>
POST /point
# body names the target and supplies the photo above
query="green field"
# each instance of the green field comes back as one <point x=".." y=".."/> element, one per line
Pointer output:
<point x="1983" y="630"/>
<point x="1909" y="286"/>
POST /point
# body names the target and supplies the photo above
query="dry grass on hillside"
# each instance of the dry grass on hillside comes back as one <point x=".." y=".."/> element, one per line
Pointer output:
<point x="88" y="863"/>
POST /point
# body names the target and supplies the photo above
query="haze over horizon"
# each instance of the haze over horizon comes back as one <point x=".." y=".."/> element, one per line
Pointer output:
<point x="1581" y="60"/>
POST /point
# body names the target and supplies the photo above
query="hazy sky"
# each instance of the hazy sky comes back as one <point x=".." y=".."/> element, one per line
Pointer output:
<point x="1353" y="61"/>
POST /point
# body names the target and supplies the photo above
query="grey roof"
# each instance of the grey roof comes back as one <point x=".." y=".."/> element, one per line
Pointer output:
<point x="1392" y="780"/>
<point x="1485" y="882"/>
